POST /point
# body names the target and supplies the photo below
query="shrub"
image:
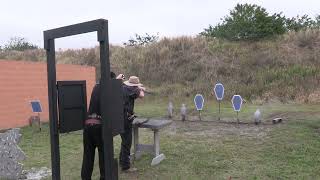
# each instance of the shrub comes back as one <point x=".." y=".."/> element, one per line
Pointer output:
<point x="142" y="40"/>
<point x="19" y="44"/>
<point x="247" y="22"/>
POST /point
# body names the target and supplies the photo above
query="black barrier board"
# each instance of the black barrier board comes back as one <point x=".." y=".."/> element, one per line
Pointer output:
<point x="72" y="103"/>
<point x="117" y="108"/>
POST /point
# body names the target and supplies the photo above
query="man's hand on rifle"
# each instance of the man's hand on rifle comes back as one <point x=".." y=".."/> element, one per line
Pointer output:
<point x="142" y="88"/>
<point x="121" y="76"/>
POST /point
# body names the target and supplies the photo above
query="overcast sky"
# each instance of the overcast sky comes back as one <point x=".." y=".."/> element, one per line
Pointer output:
<point x="29" y="18"/>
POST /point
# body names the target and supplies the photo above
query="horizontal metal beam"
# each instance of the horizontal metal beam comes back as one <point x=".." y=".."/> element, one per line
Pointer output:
<point x="98" y="25"/>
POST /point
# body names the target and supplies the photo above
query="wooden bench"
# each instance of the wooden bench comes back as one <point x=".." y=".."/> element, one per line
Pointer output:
<point x="155" y="126"/>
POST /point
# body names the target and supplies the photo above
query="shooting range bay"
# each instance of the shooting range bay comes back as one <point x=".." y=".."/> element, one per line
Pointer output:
<point x="210" y="143"/>
<point x="163" y="90"/>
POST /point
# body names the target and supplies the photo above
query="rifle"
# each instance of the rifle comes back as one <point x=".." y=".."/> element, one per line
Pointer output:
<point x="149" y="92"/>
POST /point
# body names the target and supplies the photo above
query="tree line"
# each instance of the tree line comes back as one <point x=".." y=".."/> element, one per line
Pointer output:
<point x="252" y="22"/>
<point x="248" y="22"/>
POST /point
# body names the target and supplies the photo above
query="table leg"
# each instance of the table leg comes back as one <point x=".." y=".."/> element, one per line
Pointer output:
<point x="135" y="140"/>
<point x="156" y="144"/>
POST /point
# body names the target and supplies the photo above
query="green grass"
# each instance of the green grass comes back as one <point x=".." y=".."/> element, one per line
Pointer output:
<point x="207" y="150"/>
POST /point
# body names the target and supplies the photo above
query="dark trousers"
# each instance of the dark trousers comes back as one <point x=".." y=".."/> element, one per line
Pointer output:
<point x="126" y="143"/>
<point x="92" y="138"/>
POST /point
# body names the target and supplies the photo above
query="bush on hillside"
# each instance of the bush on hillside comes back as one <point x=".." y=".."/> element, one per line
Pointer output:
<point x="19" y="44"/>
<point x="252" y="22"/>
<point x="247" y="22"/>
<point x="142" y="40"/>
<point x="302" y="23"/>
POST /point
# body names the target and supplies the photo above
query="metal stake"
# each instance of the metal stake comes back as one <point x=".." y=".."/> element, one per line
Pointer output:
<point x="219" y="111"/>
<point x="238" y="117"/>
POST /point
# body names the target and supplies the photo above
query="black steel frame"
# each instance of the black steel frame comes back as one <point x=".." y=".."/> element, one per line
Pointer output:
<point x="101" y="27"/>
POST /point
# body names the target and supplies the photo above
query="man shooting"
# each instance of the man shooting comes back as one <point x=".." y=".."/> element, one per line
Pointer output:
<point x="132" y="89"/>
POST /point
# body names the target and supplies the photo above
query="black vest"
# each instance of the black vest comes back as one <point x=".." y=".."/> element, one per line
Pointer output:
<point x="130" y="93"/>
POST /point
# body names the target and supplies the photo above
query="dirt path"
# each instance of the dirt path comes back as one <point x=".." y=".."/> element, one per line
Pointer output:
<point x="227" y="127"/>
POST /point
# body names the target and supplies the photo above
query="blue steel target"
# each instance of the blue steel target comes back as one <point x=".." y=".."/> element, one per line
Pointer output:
<point x="219" y="91"/>
<point x="36" y="106"/>
<point x="199" y="102"/>
<point x="236" y="102"/>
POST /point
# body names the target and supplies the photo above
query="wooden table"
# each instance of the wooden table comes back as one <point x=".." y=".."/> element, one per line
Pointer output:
<point x="155" y="126"/>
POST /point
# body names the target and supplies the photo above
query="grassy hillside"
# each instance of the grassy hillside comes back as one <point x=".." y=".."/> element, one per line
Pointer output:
<point x="286" y="68"/>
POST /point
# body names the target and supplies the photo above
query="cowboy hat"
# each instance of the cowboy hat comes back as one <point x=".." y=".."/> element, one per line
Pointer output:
<point x="133" y="81"/>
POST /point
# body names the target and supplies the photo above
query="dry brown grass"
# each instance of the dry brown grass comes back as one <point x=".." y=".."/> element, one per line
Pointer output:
<point x="284" y="68"/>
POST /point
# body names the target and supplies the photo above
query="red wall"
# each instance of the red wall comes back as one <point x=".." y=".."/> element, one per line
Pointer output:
<point x="21" y="82"/>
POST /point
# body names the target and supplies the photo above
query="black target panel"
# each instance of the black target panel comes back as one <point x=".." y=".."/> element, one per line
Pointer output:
<point x="72" y="102"/>
<point x="117" y="108"/>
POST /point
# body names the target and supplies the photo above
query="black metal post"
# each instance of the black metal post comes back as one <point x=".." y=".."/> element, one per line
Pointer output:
<point x="105" y="113"/>
<point x="53" y="115"/>
<point x="219" y="110"/>
<point x="199" y="115"/>
<point x="238" y="117"/>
